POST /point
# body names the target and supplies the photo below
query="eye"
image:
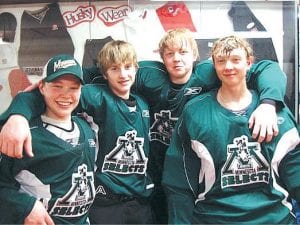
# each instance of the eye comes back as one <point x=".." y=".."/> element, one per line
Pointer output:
<point x="128" y="66"/>
<point x="169" y="54"/>
<point x="57" y="86"/>
<point x="75" y="87"/>
<point x="220" y="60"/>
<point x="236" y="60"/>
<point x="184" y="51"/>
<point x="114" y="68"/>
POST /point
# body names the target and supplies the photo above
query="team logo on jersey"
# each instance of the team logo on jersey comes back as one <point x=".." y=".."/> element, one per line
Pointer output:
<point x="79" y="198"/>
<point x="128" y="156"/>
<point x="192" y="91"/>
<point x="163" y="127"/>
<point x="245" y="164"/>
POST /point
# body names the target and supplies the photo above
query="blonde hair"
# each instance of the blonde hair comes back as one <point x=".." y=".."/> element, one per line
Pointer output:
<point x="178" y="37"/>
<point x="226" y="45"/>
<point x="116" y="52"/>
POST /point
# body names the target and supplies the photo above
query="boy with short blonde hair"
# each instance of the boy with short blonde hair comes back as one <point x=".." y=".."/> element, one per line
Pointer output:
<point x="168" y="86"/>
<point x="214" y="171"/>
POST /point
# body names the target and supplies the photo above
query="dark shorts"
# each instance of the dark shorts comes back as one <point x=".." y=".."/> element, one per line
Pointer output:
<point x="123" y="211"/>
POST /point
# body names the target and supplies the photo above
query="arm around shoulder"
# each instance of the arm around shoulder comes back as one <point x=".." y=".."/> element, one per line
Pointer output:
<point x="15" y="136"/>
<point x="269" y="80"/>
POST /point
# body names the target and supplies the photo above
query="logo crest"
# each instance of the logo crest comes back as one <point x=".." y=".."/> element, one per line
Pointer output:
<point x="245" y="164"/>
<point x="128" y="156"/>
<point x="79" y="198"/>
<point x="163" y="127"/>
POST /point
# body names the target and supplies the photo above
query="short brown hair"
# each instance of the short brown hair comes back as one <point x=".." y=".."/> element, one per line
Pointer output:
<point x="178" y="36"/>
<point x="116" y="52"/>
<point x="226" y="44"/>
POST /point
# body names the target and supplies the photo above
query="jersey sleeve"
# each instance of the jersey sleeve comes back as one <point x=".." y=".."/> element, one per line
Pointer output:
<point x="289" y="173"/>
<point x="269" y="80"/>
<point x="92" y="75"/>
<point x="91" y="99"/>
<point x="206" y="73"/>
<point x="289" y="166"/>
<point x="150" y="75"/>
<point x="177" y="180"/>
<point x="15" y="206"/>
<point x="28" y="104"/>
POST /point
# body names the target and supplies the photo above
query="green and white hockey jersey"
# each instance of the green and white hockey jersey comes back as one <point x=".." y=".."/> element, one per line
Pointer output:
<point x="215" y="173"/>
<point x="166" y="100"/>
<point x="123" y="141"/>
<point x="123" y="136"/>
<point x="60" y="175"/>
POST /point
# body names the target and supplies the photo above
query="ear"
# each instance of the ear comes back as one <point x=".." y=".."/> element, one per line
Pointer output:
<point x="250" y="61"/>
<point x="41" y="86"/>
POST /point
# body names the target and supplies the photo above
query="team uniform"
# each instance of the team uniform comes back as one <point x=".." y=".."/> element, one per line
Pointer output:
<point x="166" y="102"/>
<point x="122" y="181"/>
<point x="60" y="175"/>
<point x="223" y="175"/>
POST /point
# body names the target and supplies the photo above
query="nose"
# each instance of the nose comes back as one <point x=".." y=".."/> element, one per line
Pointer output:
<point x="123" y="72"/>
<point x="67" y="91"/>
<point x="176" y="56"/>
<point x="228" y="65"/>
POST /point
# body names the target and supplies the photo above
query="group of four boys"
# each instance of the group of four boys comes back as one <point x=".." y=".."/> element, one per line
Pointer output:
<point x="228" y="160"/>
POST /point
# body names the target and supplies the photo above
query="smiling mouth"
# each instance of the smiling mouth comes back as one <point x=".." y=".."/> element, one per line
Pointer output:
<point x="178" y="67"/>
<point x="125" y="82"/>
<point x="64" y="103"/>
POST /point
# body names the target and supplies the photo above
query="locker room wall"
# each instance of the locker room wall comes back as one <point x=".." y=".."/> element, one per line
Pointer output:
<point x="81" y="28"/>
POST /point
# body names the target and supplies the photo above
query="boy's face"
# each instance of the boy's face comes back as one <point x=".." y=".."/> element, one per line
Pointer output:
<point x="61" y="96"/>
<point x="232" y="68"/>
<point x="120" y="78"/>
<point x="179" y="60"/>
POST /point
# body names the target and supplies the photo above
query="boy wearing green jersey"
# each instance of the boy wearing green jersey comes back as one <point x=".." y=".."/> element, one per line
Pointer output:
<point x="122" y="181"/>
<point x="57" y="185"/>
<point x="167" y="87"/>
<point x="215" y="172"/>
